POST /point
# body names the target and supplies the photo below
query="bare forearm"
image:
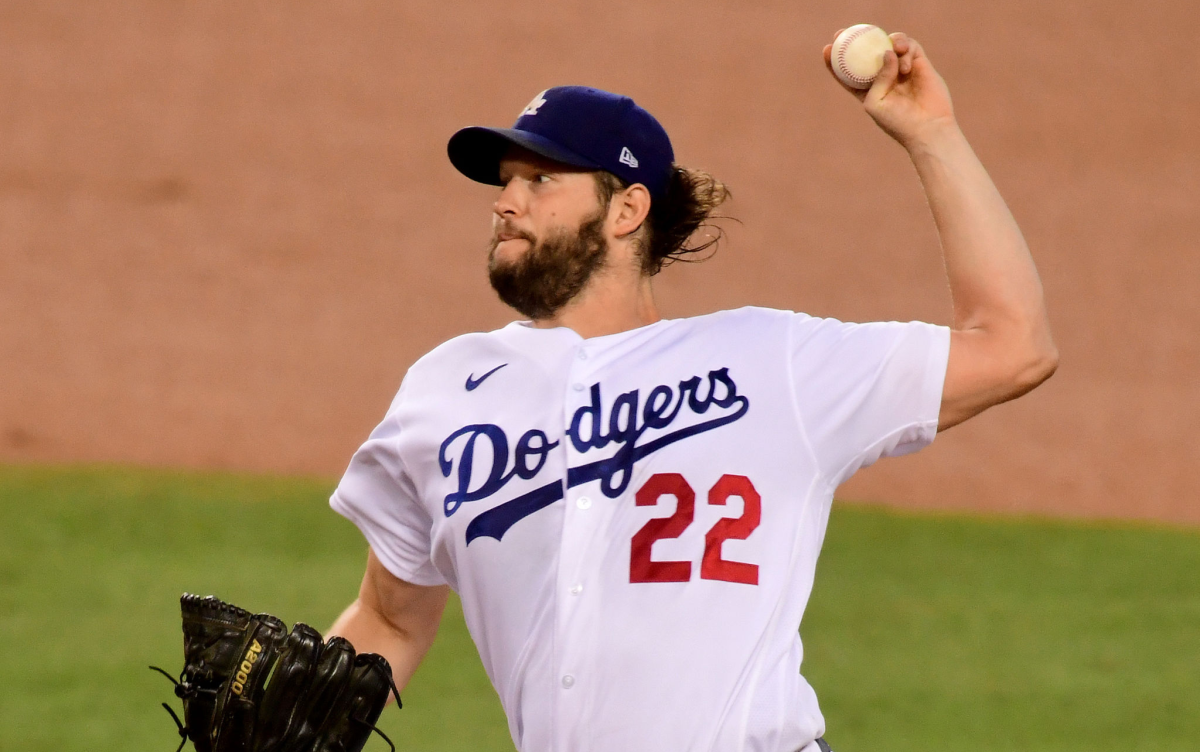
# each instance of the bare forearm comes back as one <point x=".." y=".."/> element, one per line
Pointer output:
<point x="370" y="633"/>
<point x="394" y="618"/>
<point x="993" y="281"/>
<point x="1000" y="345"/>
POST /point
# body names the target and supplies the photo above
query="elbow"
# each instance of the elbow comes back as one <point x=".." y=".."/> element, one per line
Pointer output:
<point x="1039" y="363"/>
<point x="1049" y="362"/>
<point x="1032" y="354"/>
<point x="988" y="370"/>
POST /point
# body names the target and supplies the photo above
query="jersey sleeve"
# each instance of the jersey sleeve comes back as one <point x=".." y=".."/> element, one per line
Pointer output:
<point x="379" y="497"/>
<point x="865" y="391"/>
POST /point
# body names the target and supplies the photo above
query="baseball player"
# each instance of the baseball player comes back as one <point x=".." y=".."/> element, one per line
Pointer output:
<point x="630" y="507"/>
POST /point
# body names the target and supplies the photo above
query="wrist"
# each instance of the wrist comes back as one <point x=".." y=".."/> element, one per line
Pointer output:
<point x="933" y="138"/>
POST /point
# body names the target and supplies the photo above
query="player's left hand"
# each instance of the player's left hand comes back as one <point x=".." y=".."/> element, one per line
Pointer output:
<point x="909" y="100"/>
<point x="248" y="685"/>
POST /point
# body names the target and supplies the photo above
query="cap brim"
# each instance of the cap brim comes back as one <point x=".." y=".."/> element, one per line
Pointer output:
<point x="476" y="151"/>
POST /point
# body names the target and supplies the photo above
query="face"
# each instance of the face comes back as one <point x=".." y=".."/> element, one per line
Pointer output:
<point x="548" y="237"/>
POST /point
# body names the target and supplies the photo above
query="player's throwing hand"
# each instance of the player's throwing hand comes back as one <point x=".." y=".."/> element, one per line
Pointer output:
<point x="908" y="98"/>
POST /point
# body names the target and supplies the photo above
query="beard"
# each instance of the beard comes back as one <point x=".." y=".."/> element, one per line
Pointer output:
<point x="551" y="272"/>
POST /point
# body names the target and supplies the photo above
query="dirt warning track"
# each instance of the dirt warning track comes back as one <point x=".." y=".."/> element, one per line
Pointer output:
<point x="225" y="231"/>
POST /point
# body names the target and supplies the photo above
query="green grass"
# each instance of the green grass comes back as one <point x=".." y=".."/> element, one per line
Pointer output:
<point x="924" y="632"/>
<point x="940" y="633"/>
<point x="92" y="563"/>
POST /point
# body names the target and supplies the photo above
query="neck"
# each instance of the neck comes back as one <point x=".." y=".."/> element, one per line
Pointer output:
<point x="611" y="303"/>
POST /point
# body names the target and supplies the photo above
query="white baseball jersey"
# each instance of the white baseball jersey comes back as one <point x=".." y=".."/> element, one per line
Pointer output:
<point x="632" y="521"/>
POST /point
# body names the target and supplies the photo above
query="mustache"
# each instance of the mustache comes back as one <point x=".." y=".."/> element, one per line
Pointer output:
<point x="510" y="232"/>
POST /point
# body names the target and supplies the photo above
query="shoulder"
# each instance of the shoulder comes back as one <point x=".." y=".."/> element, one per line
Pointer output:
<point x="813" y="330"/>
<point x="741" y="320"/>
<point x="454" y="360"/>
<point x="746" y="329"/>
<point x="802" y="327"/>
<point x="459" y="351"/>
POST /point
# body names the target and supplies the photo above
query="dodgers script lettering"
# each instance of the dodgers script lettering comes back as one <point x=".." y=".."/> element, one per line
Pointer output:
<point x="481" y="453"/>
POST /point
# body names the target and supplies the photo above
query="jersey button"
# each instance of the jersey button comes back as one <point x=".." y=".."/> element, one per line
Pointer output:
<point x="582" y="355"/>
<point x="576" y="589"/>
<point x="583" y="502"/>
<point x="577" y="387"/>
<point x="568" y="681"/>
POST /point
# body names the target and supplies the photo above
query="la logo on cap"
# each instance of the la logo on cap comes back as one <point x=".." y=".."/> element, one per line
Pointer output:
<point x="627" y="157"/>
<point x="535" y="105"/>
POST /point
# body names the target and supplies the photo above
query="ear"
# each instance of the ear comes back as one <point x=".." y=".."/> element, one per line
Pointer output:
<point x="629" y="209"/>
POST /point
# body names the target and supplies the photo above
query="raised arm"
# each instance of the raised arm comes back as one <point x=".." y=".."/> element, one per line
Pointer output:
<point x="1000" y="344"/>
<point x="394" y="618"/>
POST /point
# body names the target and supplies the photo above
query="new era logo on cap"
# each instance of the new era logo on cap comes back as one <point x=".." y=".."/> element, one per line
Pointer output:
<point x="627" y="157"/>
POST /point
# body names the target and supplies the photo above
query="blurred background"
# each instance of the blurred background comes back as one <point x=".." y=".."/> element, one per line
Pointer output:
<point x="226" y="230"/>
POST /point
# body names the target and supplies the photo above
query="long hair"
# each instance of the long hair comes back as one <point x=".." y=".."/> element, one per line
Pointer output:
<point x="688" y="205"/>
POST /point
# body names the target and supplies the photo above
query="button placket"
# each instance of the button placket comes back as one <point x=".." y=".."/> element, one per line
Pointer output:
<point x="573" y="642"/>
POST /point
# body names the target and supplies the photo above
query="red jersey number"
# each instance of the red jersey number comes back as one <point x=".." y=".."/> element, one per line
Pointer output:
<point x="712" y="566"/>
<point x="641" y="568"/>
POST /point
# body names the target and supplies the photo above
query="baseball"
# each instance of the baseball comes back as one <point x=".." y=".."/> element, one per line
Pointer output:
<point x="857" y="54"/>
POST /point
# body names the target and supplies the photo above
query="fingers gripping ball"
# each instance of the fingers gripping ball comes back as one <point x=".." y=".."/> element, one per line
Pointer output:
<point x="857" y="55"/>
<point x="249" y="685"/>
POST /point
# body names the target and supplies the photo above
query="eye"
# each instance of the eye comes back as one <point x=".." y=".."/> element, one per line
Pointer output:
<point x="541" y="177"/>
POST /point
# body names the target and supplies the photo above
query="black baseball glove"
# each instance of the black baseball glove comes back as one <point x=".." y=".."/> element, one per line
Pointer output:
<point x="248" y="685"/>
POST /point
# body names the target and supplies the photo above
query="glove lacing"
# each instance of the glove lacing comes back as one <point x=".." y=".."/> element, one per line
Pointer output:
<point x="183" y="690"/>
<point x="391" y="684"/>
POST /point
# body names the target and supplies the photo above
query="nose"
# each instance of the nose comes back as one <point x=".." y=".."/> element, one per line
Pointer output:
<point x="512" y="200"/>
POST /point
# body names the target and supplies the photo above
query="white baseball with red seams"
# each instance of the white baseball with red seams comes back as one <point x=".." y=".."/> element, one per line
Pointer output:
<point x="632" y="522"/>
<point x="857" y="54"/>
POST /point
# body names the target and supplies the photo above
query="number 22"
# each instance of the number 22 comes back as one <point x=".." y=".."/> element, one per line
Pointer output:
<point x="712" y="566"/>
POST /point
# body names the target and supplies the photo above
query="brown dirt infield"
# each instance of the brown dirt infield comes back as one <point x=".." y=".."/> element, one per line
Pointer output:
<point x="227" y="228"/>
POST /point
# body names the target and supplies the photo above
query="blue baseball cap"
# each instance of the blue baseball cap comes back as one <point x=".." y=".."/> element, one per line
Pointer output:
<point x="578" y="126"/>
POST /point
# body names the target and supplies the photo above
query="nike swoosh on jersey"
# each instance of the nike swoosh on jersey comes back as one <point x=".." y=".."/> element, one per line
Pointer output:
<point x="473" y="382"/>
